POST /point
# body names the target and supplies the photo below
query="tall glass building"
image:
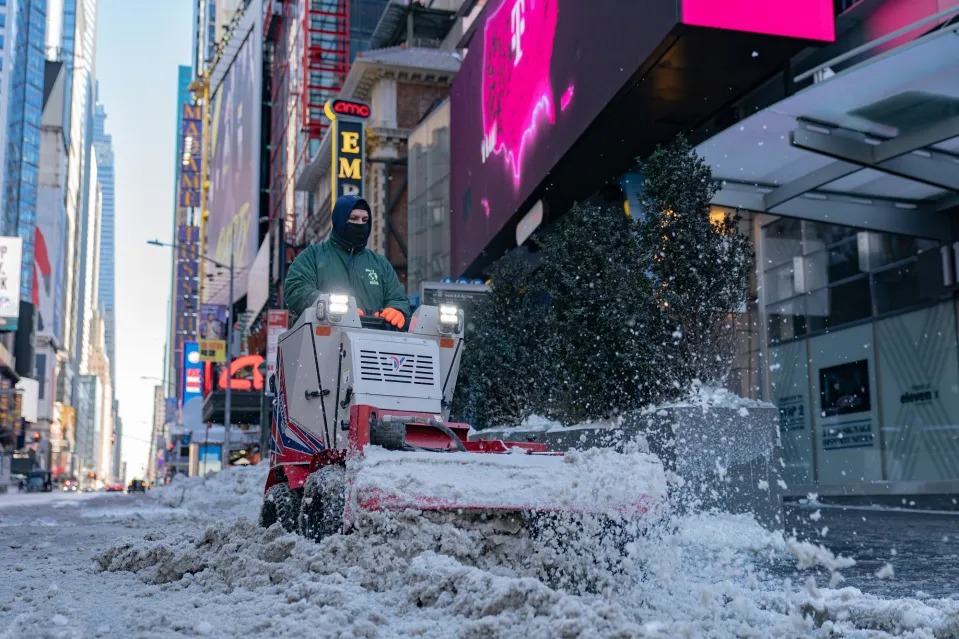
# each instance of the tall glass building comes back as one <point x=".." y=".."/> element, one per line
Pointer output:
<point x="25" y="77"/>
<point x="106" y="289"/>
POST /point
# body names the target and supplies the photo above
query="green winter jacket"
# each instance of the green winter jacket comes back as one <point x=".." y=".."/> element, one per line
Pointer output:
<point x="331" y="267"/>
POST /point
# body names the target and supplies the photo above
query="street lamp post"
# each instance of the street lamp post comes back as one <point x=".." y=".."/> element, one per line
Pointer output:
<point x="227" y="416"/>
<point x="229" y="366"/>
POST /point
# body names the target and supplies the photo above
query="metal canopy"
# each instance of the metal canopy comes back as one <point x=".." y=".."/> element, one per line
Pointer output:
<point x="874" y="147"/>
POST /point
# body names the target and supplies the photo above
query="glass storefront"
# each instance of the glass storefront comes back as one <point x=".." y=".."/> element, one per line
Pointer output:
<point x="861" y="339"/>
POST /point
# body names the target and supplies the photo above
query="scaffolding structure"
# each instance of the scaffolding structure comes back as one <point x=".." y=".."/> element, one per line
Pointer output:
<point x="326" y="24"/>
<point x="308" y="44"/>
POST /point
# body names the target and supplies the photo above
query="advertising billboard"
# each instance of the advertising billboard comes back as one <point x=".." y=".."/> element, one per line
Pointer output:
<point x="49" y="262"/>
<point x="235" y="165"/>
<point x="213" y="321"/>
<point x="192" y="380"/>
<point x="539" y="73"/>
<point x="11" y="252"/>
<point x="534" y="79"/>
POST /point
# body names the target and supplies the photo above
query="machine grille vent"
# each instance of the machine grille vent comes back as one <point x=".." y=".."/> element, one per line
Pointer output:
<point x="401" y="368"/>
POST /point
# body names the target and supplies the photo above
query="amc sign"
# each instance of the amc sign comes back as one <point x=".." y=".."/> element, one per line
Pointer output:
<point x="349" y="149"/>
<point x="349" y="109"/>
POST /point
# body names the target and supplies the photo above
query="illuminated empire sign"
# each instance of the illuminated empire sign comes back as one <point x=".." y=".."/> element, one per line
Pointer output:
<point x="349" y="149"/>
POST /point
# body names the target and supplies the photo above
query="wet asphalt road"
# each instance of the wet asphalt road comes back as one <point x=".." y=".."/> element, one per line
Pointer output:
<point x="923" y="548"/>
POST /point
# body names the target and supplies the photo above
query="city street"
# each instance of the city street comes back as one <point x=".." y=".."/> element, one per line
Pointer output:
<point x="922" y="547"/>
<point x="178" y="562"/>
<point x="59" y="499"/>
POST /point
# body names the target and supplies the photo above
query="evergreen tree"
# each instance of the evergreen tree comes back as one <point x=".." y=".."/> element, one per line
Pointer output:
<point x="700" y="266"/>
<point x="499" y="381"/>
<point x="621" y="312"/>
<point x="598" y="348"/>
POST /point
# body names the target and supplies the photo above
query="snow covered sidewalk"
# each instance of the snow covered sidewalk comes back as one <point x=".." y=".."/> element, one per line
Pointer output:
<point x="190" y="561"/>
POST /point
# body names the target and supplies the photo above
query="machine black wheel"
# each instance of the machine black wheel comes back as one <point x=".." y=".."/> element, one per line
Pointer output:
<point x="324" y="498"/>
<point x="280" y="504"/>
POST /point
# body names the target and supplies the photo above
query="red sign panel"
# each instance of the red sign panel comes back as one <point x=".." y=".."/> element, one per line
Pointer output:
<point x="351" y="109"/>
<point x="804" y="19"/>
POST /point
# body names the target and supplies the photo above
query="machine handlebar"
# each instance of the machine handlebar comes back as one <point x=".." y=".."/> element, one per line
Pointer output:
<point x="378" y="323"/>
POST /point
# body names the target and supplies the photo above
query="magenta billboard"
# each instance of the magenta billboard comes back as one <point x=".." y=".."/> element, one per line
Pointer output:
<point x="539" y="72"/>
<point x="234" y="200"/>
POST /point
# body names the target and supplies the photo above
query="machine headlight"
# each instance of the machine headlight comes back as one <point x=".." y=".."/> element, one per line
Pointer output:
<point x="449" y="314"/>
<point x="339" y="304"/>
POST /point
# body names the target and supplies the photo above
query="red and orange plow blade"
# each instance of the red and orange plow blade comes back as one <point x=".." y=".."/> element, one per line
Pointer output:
<point x="594" y="481"/>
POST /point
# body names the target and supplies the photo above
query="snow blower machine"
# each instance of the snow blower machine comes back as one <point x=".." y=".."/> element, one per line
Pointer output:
<point x="360" y="425"/>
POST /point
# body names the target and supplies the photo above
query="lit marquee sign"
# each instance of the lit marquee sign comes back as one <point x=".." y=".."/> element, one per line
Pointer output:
<point x="349" y="146"/>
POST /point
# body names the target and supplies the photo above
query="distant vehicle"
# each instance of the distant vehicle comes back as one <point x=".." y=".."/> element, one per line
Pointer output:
<point x="114" y="488"/>
<point x="70" y="485"/>
<point x="137" y="486"/>
<point x="39" y="481"/>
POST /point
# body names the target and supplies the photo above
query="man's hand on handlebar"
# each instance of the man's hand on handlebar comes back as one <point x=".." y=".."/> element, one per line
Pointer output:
<point x="393" y="316"/>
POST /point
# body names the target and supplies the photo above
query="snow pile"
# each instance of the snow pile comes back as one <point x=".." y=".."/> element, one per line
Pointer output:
<point x="411" y="574"/>
<point x="712" y="397"/>
<point x="579" y="481"/>
<point x="234" y="492"/>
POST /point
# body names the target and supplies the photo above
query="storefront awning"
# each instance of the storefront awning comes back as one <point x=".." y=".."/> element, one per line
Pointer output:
<point x="874" y="147"/>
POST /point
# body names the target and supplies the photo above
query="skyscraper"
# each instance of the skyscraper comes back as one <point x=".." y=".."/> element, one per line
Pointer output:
<point x="24" y="104"/>
<point x="106" y="291"/>
<point x="7" y="10"/>
<point x="75" y="20"/>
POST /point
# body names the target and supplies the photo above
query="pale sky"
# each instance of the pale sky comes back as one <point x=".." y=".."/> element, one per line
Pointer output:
<point x="140" y="43"/>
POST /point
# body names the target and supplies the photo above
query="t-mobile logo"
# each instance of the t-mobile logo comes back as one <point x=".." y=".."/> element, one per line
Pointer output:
<point x="517" y="27"/>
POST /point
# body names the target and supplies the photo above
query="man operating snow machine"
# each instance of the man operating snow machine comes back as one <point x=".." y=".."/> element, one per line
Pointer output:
<point x="361" y="410"/>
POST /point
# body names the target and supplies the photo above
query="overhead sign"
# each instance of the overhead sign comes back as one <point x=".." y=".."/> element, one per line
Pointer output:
<point x="212" y="350"/>
<point x="349" y="147"/>
<point x="192" y="372"/>
<point x="11" y="256"/>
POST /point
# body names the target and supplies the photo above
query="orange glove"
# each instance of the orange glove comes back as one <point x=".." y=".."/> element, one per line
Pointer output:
<point x="360" y="311"/>
<point x="393" y="316"/>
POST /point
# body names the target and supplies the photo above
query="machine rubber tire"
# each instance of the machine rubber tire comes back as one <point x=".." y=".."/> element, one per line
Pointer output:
<point x="324" y="499"/>
<point x="280" y="504"/>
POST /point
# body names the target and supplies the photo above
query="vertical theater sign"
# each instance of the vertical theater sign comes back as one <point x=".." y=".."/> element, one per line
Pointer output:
<point x="349" y="147"/>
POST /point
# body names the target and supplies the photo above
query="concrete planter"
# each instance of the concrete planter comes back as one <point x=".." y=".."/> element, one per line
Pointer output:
<point x="728" y="458"/>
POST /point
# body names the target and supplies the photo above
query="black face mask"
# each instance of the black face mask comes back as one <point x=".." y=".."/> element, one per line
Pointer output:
<point x="356" y="235"/>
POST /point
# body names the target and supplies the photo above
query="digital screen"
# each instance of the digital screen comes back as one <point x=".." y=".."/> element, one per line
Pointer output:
<point x="235" y="168"/>
<point x="539" y="72"/>
<point x="844" y="389"/>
